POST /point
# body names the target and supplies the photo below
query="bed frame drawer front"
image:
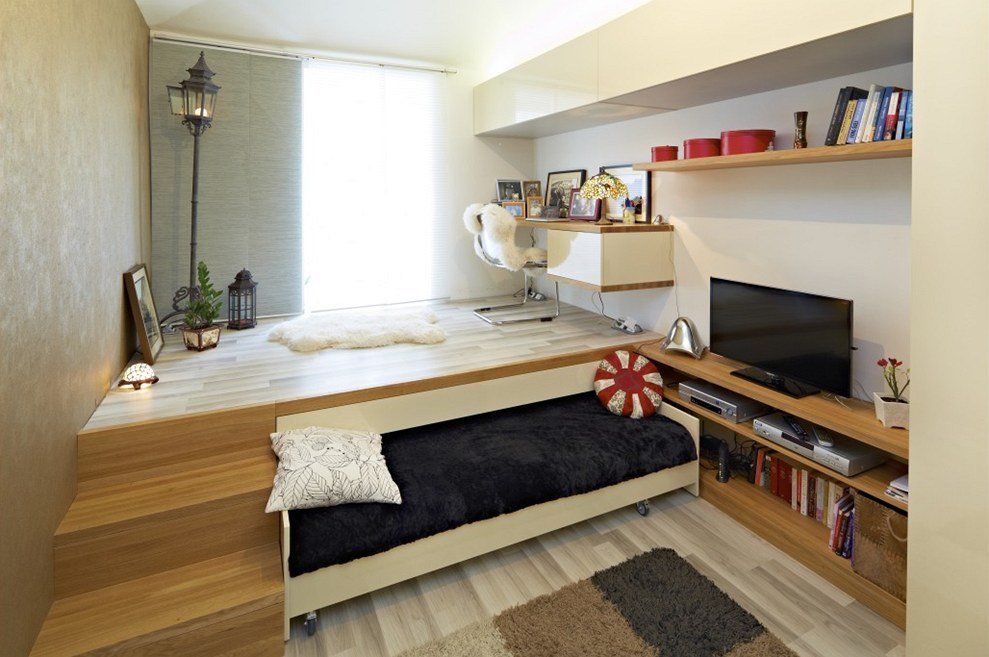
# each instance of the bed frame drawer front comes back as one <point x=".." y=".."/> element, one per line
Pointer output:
<point x="421" y="408"/>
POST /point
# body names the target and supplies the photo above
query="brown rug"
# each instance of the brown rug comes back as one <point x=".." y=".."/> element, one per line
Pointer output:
<point x="653" y="605"/>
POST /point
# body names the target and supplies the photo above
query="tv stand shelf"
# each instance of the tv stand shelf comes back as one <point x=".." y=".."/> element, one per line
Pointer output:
<point x="803" y="539"/>
<point x="851" y="417"/>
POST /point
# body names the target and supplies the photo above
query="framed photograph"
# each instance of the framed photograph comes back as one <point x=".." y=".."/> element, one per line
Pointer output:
<point x="551" y="212"/>
<point x="515" y="208"/>
<point x="559" y="184"/>
<point x="532" y="188"/>
<point x="509" y="190"/>
<point x="142" y="307"/>
<point x="534" y="207"/>
<point x="638" y="192"/>
<point x="585" y="209"/>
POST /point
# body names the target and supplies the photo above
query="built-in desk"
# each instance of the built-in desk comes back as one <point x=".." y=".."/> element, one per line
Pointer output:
<point x="609" y="258"/>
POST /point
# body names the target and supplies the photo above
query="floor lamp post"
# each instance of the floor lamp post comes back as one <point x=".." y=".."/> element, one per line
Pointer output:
<point x="194" y="100"/>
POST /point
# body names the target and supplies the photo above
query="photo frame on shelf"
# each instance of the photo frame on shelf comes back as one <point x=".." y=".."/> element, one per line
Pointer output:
<point x="583" y="209"/>
<point x="559" y="184"/>
<point x="509" y="190"/>
<point x="515" y="208"/>
<point x="638" y="191"/>
<point x="532" y="188"/>
<point x="143" y="310"/>
<point x="534" y="207"/>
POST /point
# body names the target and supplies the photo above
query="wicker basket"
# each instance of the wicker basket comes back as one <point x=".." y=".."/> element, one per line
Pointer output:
<point x="880" y="545"/>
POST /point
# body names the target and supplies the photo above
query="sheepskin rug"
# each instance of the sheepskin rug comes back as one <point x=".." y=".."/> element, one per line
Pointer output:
<point x="357" y="330"/>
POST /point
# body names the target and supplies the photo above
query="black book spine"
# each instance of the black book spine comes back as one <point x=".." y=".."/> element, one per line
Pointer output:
<point x="838" y="116"/>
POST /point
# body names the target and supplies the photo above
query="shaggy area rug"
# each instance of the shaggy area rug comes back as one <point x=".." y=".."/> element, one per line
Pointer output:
<point x="356" y="330"/>
<point x="653" y="605"/>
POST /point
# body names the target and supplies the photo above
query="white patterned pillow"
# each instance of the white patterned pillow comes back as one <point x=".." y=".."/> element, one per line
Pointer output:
<point x="319" y="467"/>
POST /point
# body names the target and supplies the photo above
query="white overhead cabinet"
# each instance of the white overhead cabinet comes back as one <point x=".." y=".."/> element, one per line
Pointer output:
<point x="671" y="54"/>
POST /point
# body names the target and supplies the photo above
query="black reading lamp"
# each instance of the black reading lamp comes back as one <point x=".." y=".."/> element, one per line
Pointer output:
<point x="194" y="100"/>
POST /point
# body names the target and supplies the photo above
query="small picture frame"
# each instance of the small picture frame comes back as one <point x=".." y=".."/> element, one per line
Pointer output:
<point x="534" y="207"/>
<point x="559" y="184"/>
<point x="551" y="212"/>
<point x="583" y="209"/>
<point x="532" y="188"/>
<point x="638" y="191"/>
<point x="515" y="208"/>
<point x="142" y="306"/>
<point x="509" y="190"/>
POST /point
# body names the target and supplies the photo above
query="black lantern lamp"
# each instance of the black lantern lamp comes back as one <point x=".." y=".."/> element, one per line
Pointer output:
<point x="242" y="302"/>
<point x="194" y="100"/>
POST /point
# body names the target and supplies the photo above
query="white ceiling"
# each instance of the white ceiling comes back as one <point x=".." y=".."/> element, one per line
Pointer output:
<point x="485" y="36"/>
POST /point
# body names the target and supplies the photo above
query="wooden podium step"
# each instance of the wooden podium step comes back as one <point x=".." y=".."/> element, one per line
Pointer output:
<point x="231" y="605"/>
<point x="128" y="530"/>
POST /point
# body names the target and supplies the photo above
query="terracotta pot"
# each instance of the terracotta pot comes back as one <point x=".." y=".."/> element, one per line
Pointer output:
<point x="892" y="413"/>
<point x="201" y="339"/>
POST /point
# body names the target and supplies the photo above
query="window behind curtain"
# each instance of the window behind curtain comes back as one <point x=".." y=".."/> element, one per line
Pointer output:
<point x="375" y="224"/>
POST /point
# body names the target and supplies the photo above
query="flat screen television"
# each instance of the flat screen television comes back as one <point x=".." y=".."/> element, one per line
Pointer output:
<point x="794" y="342"/>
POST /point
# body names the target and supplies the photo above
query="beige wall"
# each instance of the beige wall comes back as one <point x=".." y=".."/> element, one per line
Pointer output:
<point x="840" y="229"/>
<point x="74" y="207"/>
<point x="948" y="569"/>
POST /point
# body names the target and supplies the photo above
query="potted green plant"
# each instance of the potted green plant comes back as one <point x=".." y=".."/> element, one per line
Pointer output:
<point x="893" y="411"/>
<point x="199" y="331"/>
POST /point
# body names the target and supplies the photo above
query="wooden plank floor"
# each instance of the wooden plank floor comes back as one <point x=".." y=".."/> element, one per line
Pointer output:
<point x="811" y="616"/>
<point x="245" y="369"/>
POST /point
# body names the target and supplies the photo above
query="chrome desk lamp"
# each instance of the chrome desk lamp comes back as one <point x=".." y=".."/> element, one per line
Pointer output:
<point x="682" y="336"/>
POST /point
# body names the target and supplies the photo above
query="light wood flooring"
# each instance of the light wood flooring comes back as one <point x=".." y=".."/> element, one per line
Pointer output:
<point x="247" y="370"/>
<point x="811" y="616"/>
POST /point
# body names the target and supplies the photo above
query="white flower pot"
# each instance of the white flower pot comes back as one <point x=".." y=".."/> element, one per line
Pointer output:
<point x="892" y="413"/>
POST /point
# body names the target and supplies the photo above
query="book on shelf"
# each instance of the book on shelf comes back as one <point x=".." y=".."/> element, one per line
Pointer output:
<point x="840" y="112"/>
<point x="870" y="102"/>
<point x="846" y="121"/>
<point x="853" y="129"/>
<point x="882" y="113"/>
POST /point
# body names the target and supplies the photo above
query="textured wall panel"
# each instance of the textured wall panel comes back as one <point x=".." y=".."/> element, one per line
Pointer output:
<point x="249" y="178"/>
<point x="73" y="207"/>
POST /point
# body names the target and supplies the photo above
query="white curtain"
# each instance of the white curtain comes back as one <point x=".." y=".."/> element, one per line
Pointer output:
<point x="375" y="219"/>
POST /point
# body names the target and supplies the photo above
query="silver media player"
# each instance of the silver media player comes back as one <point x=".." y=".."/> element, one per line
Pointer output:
<point x="726" y="403"/>
<point x="845" y="456"/>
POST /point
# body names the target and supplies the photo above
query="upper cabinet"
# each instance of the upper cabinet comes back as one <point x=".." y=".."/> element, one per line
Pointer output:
<point x="671" y="54"/>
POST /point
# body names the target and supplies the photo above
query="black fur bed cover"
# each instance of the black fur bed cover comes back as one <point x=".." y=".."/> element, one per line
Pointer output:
<point x="460" y="471"/>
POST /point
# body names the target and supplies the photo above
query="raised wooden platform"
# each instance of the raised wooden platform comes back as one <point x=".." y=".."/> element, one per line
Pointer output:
<point x="166" y="549"/>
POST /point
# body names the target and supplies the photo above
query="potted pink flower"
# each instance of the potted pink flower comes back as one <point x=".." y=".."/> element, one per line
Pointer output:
<point x="893" y="411"/>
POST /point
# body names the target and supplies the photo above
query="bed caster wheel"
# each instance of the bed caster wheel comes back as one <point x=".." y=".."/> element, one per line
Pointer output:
<point x="311" y="623"/>
<point x="642" y="507"/>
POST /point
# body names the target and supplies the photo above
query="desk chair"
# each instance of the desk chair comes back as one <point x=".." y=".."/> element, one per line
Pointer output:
<point x="494" y="242"/>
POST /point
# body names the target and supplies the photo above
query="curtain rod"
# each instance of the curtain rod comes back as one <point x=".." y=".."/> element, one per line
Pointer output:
<point x="286" y="54"/>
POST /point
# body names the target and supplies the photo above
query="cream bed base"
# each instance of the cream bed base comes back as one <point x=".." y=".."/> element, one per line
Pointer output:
<point x="311" y="591"/>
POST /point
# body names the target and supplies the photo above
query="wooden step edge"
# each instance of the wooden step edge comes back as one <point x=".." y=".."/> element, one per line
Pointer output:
<point x="133" y="504"/>
<point x="127" y="616"/>
<point x="154" y="472"/>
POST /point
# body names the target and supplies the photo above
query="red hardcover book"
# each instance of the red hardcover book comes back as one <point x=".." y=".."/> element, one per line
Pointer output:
<point x="760" y="457"/>
<point x="774" y="476"/>
<point x="811" y="495"/>
<point x="786" y="475"/>
<point x="893" y="114"/>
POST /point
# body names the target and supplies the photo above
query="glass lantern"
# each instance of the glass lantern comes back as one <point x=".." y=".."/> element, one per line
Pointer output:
<point x="242" y="302"/>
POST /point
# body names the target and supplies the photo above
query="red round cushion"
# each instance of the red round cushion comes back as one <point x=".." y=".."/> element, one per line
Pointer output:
<point x="629" y="384"/>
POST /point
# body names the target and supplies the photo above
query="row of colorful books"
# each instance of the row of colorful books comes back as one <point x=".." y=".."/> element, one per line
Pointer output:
<point x="811" y="494"/>
<point x="879" y="114"/>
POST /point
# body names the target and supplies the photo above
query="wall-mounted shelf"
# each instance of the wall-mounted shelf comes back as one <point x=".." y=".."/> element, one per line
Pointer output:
<point x="577" y="226"/>
<point x="608" y="258"/>
<point x="878" y="150"/>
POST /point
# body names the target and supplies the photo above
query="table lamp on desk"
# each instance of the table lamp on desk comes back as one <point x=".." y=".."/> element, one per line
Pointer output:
<point x="602" y="186"/>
